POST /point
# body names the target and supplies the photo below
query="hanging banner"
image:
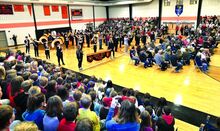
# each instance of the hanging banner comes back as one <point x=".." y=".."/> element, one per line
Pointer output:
<point x="19" y="8"/>
<point x="46" y="10"/>
<point x="64" y="12"/>
<point x="55" y="8"/>
<point x="178" y="10"/>
<point x="6" y="9"/>
<point x="30" y="9"/>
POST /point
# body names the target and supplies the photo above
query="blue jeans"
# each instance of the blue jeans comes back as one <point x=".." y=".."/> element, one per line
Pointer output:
<point x="136" y="59"/>
<point x="179" y="66"/>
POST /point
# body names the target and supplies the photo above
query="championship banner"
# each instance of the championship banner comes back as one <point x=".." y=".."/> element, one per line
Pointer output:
<point x="98" y="56"/>
<point x="19" y="8"/>
<point x="55" y="8"/>
<point x="64" y="12"/>
<point x="30" y="9"/>
<point x="46" y="10"/>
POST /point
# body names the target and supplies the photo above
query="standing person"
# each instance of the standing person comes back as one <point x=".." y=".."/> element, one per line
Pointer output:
<point x="144" y="38"/>
<point x="76" y="37"/>
<point x="100" y="40"/>
<point x="27" y="44"/>
<point x="47" y="51"/>
<point x="137" y="39"/>
<point x="88" y="39"/>
<point x="66" y="41"/>
<point x="111" y="46"/>
<point x="126" y="43"/>
<point x="94" y="42"/>
<point x="79" y="55"/>
<point x="60" y="54"/>
<point x="14" y="38"/>
<point x="115" y="40"/>
<point x="80" y="40"/>
<point x="71" y="38"/>
<point x="36" y="44"/>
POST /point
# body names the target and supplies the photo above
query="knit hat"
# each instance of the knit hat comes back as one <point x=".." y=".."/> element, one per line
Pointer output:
<point x="107" y="101"/>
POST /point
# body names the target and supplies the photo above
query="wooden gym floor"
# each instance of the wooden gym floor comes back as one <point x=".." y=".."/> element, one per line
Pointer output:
<point x="190" y="87"/>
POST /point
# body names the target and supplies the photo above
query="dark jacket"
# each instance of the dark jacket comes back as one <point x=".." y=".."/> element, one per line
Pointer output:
<point x="166" y="123"/>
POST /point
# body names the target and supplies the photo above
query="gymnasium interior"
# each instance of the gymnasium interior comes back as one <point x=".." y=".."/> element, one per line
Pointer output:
<point x="97" y="65"/>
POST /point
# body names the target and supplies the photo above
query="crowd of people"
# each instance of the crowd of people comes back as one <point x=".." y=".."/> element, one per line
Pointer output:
<point x="36" y="95"/>
<point x="173" y="50"/>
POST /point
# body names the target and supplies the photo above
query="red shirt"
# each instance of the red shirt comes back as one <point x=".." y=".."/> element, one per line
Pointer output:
<point x="66" y="125"/>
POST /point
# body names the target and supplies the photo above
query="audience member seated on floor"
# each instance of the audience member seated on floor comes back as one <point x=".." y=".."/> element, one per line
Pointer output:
<point x="211" y="126"/>
<point x="175" y="63"/>
<point x="146" y="124"/>
<point x="143" y="58"/>
<point x="34" y="110"/>
<point x="70" y="112"/>
<point x="6" y="117"/>
<point x="85" y="112"/>
<point x="126" y="119"/>
<point x="160" y="61"/>
<point x="84" y="124"/>
<point x="201" y="64"/>
<point x="166" y="121"/>
<point x="26" y="126"/>
<point x="53" y="115"/>
<point x="133" y="56"/>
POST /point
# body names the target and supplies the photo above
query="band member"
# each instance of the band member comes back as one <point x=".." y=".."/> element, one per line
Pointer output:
<point x="66" y="41"/>
<point x="60" y="54"/>
<point x="14" y="38"/>
<point x="115" y="41"/>
<point x="88" y="39"/>
<point x="71" y="38"/>
<point x="100" y="40"/>
<point x="47" y="51"/>
<point x="36" y="51"/>
<point x="80" y="40"/>
<point x="27" y="44"/>
<point x="94" y="42"/>
<point x="111" y="46"/>
<point x="79" y="55"/>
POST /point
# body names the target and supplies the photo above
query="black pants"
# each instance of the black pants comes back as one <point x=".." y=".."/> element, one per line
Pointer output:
<point x="95" y="48"/>
<point x="60" y="57"/>
<point x="79" y="63"/>
<point x="113" y="52"/>
<point x="47" y="53"/>
<point x="116" y="47"/>
<point x="27" y="49"/>
<point x="88" y="42"/>
<point x="67" y="43"/>
<point x="36" y="52"/>
<point x="81" y="44"/>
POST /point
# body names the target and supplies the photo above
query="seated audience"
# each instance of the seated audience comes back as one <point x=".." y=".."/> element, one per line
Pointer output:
<point x="26" y="126"/>
<point x="70" y="112"/>
<point x="34" y="110"/>
<point x="126" y="119"/>
<point x="85" y="112"/>
<point x="53" y="115"/>
<point x="6" y="117"/>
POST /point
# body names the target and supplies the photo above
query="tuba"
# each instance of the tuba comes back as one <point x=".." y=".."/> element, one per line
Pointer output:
<point x="44" y="39"/>
<point x="59" y="40"/>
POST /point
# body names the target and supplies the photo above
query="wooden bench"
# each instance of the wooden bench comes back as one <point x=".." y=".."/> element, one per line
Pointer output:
<point x="98" y="55"/>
